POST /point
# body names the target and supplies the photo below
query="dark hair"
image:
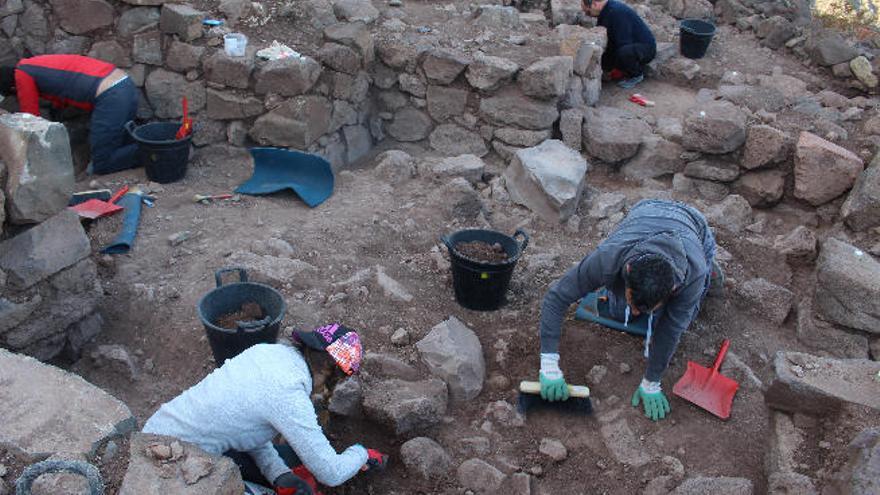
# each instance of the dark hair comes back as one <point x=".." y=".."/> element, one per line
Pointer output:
<point x="651" y="279"/>
<point x="7" y="80"/>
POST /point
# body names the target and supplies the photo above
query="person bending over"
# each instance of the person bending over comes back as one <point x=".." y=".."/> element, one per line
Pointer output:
<point x="631" y="45"/>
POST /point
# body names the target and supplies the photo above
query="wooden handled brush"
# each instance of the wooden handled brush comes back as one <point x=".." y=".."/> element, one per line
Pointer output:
<point x="530" y="398"/>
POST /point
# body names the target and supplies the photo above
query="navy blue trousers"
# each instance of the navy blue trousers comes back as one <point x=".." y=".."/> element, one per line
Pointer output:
<point x="631" y="59"/>
<point x="112" y="148"/>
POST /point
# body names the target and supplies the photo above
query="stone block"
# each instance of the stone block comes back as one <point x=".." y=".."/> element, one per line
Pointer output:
<point x="733" y="213"/>
<point x="425" y="458"/>
<point x="716" y="128"/>
<point x="454" y="140"/>
<point x="229" y="71"/>
<point x="347" y="397"/>
<point x="848" y="289"/>
<point x="823" y="170"/>
<point x="166" y="89"/>
<point x="861" y="210"/>
<point x="488" y="73"/>
<point x="470" y="167"/>
<point x="136" y="20"/>
<point x="183" y="57"/>
<point x="146" y="48"/>
<point x="358" y="141"/>
<point x="409" y="125"/>
<point x="225" y="105"/>
<point x="657" y="157"/>
<point x="762" y="189"/>
<point x="289" y="76"/>
<point x="182" y="20"/>
<point x="298" y="123"/>
<point x="517" y="110"/>
<point x="712" y="169"/>
<point x="44" y="250"/>
<point x="406" y="407"/>
<point x="565" y="12"/>
<point x="613" y="135"/>
<point x="445" y="102"/>
<point x="826" y="339"/>
<point x="571" y="123"/>
<point x="480" y="476"/>
<point x="355" y="35"/>
<point x="442" y="66"/>
<point x="82" y="16"/>
<point x="111" y="52"/>
<point x="340" y="58"/>
<point x="547" y="78"/>
<point x="766" y="299"/>
<point x="452" y="352"/>
<point x="765" y="145"/>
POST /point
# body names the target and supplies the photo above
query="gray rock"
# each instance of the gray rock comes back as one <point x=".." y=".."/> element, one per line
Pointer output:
<point x="359" y="142"/>
<point x="355" y="11"/>
<point x="734" y="213"/>
<point x="554" y="449"/>
<point x="347" y="397"/>
<point x="410" y="124"/>
<point x="755" y="98"/>
<point x="861" y="474"/>
<point x="136" y="20"/>
<point x="459" y="199"/>
<point x="517" y="110"/>
<point x="470" y="167"/>
<point x="236" y="133"/>
<point x="613" y="135"/>
<point x="207" y="131"/>
<point x="565" y="12"/>
<point x="453" y="140"/>
<point x="183" y="57"/>
<point x="716" y="128"/>
<point x="479" y="476"/>
<point x="147" y="48"/>
<point x="797" y="246"/>
<point x="813" y="385"/>
<point x="224" y="105"/>
<point x="340" y="58"/>
<point x="82" y="16"/>
<point x="717" y="170"/>
<point x="355" y="35"/>
<point x="235" y="10"/>
<point x="761" y="189"/>
<point x="442" y="66"/>
<point x="571" y="124"/>
<point x="36" y="394"/>
<point x="519" y="137"/>
<point x="861" y="210"/>
<point x="826" y="339"/>
<point x="273" y="270"/>
<point x="112" y="52"/>
<point x="790" y="484"/>
<point x="425" y="458"/>
<point x="316" y="13"/>
<point x="165" y="90"/>
<point x="299" y="122"/>
<point x="453" y="352"/>
<point x="395" y="166"/>
<point x="413" y="85"/>
<point x="863" y="71"/>
<point x="191" y="472"/>
<point x="548" y="179"/>
<point x="828" y="48"/>
<point x="392" y="101"/>
<point x="234" y="72"/>
<point x="848" y="289"/>
<point x="623" y="444"/>
<point x="389" y="366"/>
<point x="607" y="204"/>
<point x="392" y="288"/>
<point x="766" y="299"/>
<point x="116" y="357"/>
<point x="289" y="76"/>
<point x="690" y="9"/>
<point x="39" y="167"/>
<point x="11" y="7"/>
<point x="546" y="78"/>
<point x="405" y="407"/>
<point x="64" y="43"/>
<point x="497" y="17"/>
<point x="765" y="145"/>
<point x="182" y="20"/>
<point x="728" y="11"/>
<point x="444" y="102"/>
<point x="477" y="446"/>
<point x="702" y="485"/>
<point x="670" y="128"/>
<point x="823" y="170"/>
<point x="657" y="157"/>
<point x="776" y="31"/>
<point x="398" y="54"/>
<point x="488" y="73"/>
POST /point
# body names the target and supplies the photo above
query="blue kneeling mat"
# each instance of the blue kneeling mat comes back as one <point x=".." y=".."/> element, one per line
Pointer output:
<point x="594" y="307"/>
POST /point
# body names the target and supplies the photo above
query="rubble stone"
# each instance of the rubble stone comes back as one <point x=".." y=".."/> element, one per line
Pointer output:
<point x="766" y="299"/>
<point x="39" y="167"/>
<point x="425" y="458"/>
<point x="565" y="12"/>
<point x="623" y="444"/>
<point x="498" y="17"/>
<point x="797" y="246"/>
<point x="613" y="135"/>
<point x="224" y="105"/>
<point x="519" y="111"/>
<point x="480" y="476"/>
<point x="716" y="170"/>
<point x="273" y="270"/>
<point x="298" y="123"/>
<point x="861" y="210"/>
<point x="289" y="76"/>
<point x="44" y="250"/>
<point x="861" y="475"/>
<point x="165" y="90"/>
<point x="346" y="398"/>
<point x="183" y="57"/>
<point x="827" y="339"/>
<point x="405" y="407"/>
<point x="395" y="166"/>
<point x="340" y="58"/>
<point x="761" y="189"/>
<point x="355" y="35"/>
<point x="234" y="72"/>
<point x="470" y="167"/>
<point x="442" y="66"/>
<point x="410" y="124"/>
<point x="716" y="128"/>
<point x="460" y="200"/>
<point x="734" y="213"/>
<point x="848" y="289"/>
<point x="413" y="85"/>
<point x="112" y="52"/>
<point x="137" y="20"/>
<point x="657" y="157"/>
<point x="829" y="48"/>
<point x="765" y="145"/>
<point x="452" y="351"/>
<point x="701" y="485"/>
<point x="548" y="179"/>
<point x="690" y="9"/>
<point x="147" y="48"/>
<point x="863" y="70"/>
<point x="359" y="142"/>
<point x="546" y="78"/>
<point x="571" y="124"/>
<point x="488" y="73"/>
<point x="823" y="170"/>
<point x="182" y="20"/>
<point x="554" y="449"/>
<point x="444" y="102"/>
<point x="453" y="140"/>
<point x="355" y="11"/>
<point x="519" y="137"/>
<point x="82" y="16"/>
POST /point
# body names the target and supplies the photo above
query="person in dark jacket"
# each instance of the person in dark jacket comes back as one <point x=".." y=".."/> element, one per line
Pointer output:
<point x="85" y="83"/>
<point x="631" y="45"/>
<point x="658" y="261"/>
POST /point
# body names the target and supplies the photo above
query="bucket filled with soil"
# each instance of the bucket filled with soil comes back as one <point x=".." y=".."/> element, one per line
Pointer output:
<point x="482" y="265"/>
<point x="239" y="315"/>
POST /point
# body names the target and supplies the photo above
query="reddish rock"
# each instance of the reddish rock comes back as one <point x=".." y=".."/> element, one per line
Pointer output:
<point x="823" y="170"/>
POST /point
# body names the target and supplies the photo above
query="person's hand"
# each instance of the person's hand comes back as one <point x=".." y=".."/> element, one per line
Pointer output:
<point x="299" y="481"/>
<point x="655" y="403"/>
<point x="376" y="461"/>
<point x="553" y="386"/>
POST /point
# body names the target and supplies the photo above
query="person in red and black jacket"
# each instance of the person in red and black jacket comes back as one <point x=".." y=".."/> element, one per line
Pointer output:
<point x="87" y="84"/>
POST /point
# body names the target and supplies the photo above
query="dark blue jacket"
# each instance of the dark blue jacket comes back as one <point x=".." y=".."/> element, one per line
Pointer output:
<point x="624" y="26"/>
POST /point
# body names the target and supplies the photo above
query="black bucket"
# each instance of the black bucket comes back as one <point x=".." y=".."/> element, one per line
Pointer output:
<point x="695" y="37"/>
<point x="225" y="299"/>
<point x="479" y="285"/>
<point x="163" y="157"/>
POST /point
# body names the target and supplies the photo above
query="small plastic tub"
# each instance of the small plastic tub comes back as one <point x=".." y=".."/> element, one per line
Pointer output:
<point x="235" y="44"/>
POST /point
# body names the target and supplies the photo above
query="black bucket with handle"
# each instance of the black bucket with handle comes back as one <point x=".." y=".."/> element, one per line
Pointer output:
<point x="696" y="35"/>
<point x="226" y="343"/>
<point x="480" y="285"/>
<point x="163" y="156"/>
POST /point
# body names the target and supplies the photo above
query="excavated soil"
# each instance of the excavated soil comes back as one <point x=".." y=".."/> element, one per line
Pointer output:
<point x="482" y="251"/>
<point x="249" y="312"/>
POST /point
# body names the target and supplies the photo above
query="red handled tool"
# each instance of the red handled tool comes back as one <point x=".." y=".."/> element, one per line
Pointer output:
<point x="95" y="208"/>
<point x="707" y="388"/>
<point x="185" y="124"/>
<point x="641" y="100"/>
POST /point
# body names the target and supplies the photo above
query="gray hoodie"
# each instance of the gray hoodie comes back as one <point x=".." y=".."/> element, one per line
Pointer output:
<point x="674" y="230"/>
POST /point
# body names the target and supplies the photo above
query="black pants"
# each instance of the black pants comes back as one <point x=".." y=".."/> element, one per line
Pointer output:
<point x="112" y="149"/>
<point x="250" y="471"/>
<point x="631" y="59"/>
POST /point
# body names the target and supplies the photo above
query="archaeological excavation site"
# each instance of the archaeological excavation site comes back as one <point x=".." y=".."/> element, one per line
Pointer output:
<point x="518" y="247"/>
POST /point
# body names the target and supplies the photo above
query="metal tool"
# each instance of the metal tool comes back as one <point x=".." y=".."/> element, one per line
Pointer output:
<point x="707" y="388"/>
<point x="207" y="198"/>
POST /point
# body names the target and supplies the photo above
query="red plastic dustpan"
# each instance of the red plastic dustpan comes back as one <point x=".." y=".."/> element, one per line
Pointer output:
<point x="707" y="388"/>
<point x="95" y="208"/>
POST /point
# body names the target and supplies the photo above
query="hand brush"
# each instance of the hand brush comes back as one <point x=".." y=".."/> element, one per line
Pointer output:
<point x="530" y="399"/>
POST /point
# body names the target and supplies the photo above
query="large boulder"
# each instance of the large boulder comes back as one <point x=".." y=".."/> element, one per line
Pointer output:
<point x="355" y="35"/>
<point x="442" y="66"/>
<point x="297" y="123"/>
<point x="765" y="145"/>
<point x="425" y="458"/>
<point x="136" y="20"/>
<point x="613" y="135"/>
<point x="761" y="189"/>
<point x="823" y="170"/>
<point x="230" y="71"/>
<point x="517" y="110"/>
<point x="546" y="78"/>
<point x="480" y="476"/>
<point x="861" y="210"/>
<point x="452" y="351"/>
<point x="487" y="73"/>
<point x="39" y="167"/>
<point x="165" y="90"/>
<point x="289" y="76"/>
<point x="182" y="20"/>
<point x="160" y="465"/>
<point x="861" y="474"/>
<point x="46" y="409"/>
<point x="848" y="288"/>
<point x="716" y="127"/>
<point x="828" y="47"/>
<point x="453" y="140"/>
<point x="548" y="179"/>
<point x="766" y="299"/>
<point x="83" y="16"/>
<point x="410" y="124"/>
<point x="657" y="157"/>
<point x="405" y="407"/>
<point x="807" y="384"/>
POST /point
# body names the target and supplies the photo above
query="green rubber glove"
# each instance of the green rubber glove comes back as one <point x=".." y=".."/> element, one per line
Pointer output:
<point x="553" y="386"/>
<point x="652" y="397"/>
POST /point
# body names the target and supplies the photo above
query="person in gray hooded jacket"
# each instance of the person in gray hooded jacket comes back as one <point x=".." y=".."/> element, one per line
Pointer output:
<point x="658" y="261"/>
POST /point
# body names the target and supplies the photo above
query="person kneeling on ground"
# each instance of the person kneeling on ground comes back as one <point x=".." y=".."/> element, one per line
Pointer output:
<point x="240" y="407"/>
<point x="631" y="45"/>
<point x="85" y="83"/>
<point x="658" y="261"/>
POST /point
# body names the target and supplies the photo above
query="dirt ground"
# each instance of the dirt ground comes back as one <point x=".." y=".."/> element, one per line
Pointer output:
<point x="151" y="296"/>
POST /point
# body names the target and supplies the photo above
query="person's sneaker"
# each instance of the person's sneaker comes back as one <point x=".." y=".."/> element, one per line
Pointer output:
<point x="631" y="82"/>
<point x="716" y="281"/>
<point x="90" y="169"/>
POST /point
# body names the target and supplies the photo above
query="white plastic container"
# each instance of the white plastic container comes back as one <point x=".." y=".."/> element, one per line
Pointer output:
<point x="235" y="44"/>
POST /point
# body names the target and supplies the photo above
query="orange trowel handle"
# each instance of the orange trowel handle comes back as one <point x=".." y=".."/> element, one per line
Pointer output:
<point x="720" y="358"/>
<point x="121" y="192"/>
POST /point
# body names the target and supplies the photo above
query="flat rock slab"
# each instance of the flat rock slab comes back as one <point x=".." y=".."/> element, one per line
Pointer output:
<point x="274" y="270"/>
<point x="623" y="444"/>
<point x="815" y="385"/>
<point x="404" y="406"/>
<point x="848" y="289"/>
<point x="161" y="465"/>
<point x="46" y="409"/>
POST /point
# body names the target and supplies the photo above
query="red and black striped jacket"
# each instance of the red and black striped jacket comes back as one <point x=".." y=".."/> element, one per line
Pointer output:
<point x="63" y="80"/>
